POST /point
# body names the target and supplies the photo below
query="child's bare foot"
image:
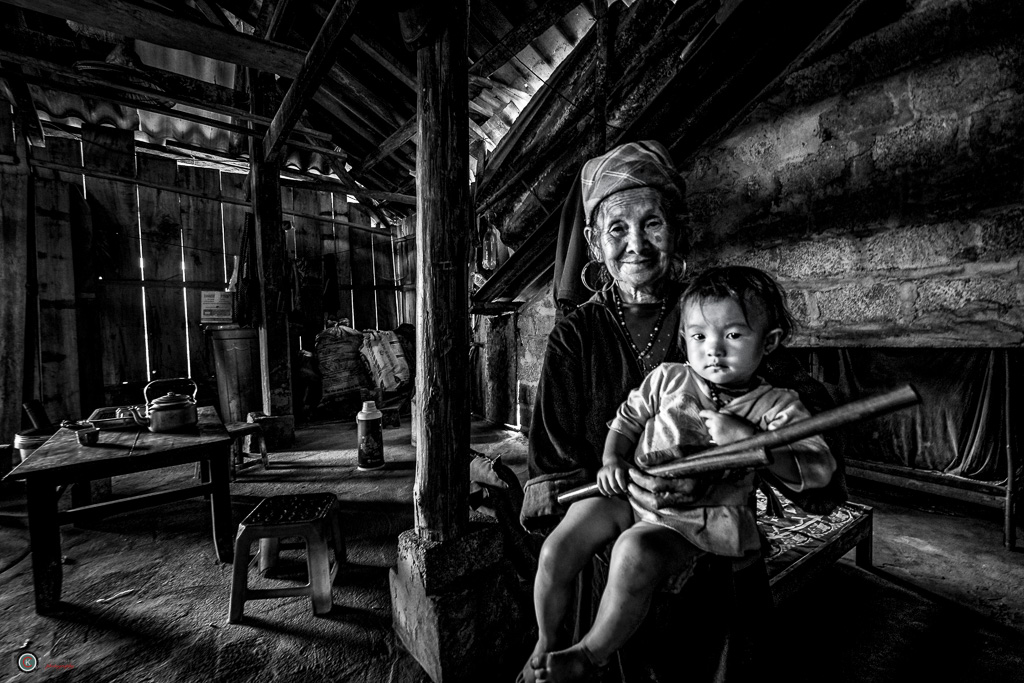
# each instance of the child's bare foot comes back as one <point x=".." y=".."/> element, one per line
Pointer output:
<point x="533" y="664"/>
<point x="566" y="666"/>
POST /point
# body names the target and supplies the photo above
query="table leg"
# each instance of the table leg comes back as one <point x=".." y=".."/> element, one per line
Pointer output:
<point x="81" y="494"/>
<point x="44" y="540"/>
<point x="864" y="556"/>
<point x="220" y="504"/>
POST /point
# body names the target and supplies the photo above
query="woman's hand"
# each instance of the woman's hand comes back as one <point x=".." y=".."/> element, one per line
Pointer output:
<point x="725" y="427"/>
<point x="655" y="493"/>
<point x="613" y="477"/>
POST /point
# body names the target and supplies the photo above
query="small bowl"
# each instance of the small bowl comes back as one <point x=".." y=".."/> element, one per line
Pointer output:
<point x="90" y="436"/>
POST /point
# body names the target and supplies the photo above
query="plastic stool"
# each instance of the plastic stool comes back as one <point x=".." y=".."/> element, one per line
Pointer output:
<point x="315" y="517"/>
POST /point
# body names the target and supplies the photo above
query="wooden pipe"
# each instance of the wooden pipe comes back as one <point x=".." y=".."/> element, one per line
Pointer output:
<point x="714" y="459"/>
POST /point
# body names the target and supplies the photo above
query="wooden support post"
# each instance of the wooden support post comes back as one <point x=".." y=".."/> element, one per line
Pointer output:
<point x="275" y="342"/>
<point x="442" y="293"/>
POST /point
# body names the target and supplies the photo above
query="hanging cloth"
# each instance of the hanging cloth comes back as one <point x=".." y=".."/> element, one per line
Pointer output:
<point x="571" y="253"/>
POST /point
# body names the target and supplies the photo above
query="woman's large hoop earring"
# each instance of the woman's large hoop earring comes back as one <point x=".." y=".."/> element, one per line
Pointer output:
<point x="679" y="268"/>
<point x="601" y="277"/>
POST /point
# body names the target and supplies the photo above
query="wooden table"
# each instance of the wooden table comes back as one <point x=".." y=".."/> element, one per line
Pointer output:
<point x="62" y="460"/>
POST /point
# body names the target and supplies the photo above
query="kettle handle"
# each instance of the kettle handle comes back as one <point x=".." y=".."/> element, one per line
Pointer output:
<point x="175" y="381"/>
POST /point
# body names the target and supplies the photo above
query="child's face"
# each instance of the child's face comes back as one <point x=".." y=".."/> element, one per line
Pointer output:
<point x="724" y="346"/>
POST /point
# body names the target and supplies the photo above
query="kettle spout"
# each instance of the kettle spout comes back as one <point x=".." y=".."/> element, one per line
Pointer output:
<point x="137" y="416"/>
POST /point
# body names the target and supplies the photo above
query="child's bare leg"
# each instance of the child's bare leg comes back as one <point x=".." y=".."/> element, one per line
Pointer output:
<point x="588" y="526"/>
<point x="642" y="558"/>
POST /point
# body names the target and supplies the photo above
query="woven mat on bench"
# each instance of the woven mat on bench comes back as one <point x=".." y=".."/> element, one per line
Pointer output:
<point x="797" y="533"/>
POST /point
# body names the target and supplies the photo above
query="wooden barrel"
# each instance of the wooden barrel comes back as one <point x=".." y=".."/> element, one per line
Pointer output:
<point x="236" y="357"/>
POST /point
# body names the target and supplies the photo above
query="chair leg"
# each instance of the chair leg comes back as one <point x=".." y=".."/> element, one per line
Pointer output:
<point x="263" y="451"/>
<point x="239" y="577"/>
<point x="318" y="562"/>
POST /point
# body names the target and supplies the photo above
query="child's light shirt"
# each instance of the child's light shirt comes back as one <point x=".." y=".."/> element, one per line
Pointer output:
<point x="662" y="413"/>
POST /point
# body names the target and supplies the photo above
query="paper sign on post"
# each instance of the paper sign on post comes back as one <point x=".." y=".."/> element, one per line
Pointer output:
<point x="216" y="307"/>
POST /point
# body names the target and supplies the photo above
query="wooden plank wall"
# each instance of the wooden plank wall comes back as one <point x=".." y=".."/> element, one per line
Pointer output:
<point x="342" y="251"/>
<point x="58" y="354"/>
<point x="161" y="232"/>
<point x="307" y="260"/>
<point x="120" y="269"/>
<point x="14" y="217"/>
<point x="360" y="242"/>
<point x="203" y="254"/>
<point x="115" y="223"/>
<point x="405" y="260"/>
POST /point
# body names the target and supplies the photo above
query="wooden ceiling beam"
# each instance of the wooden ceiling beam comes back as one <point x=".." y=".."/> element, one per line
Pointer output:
<point x="318" y="62"/>
<point x="328" y="185"/>
<point x="377" y="53"/>
<point x="487" y="34"/>
<point x="86" y="91"/>
<point x="27" y="47"/>
<point x="214" y="14"/>
<point x="170" y="29"/>
<point x="23" y="104"/>
<point x="336" y="109"/>
<point x="406" y="132"/>
<point x="271" y="19"/>
<point x="543" y="18"/>
<point x="68" y="80"/>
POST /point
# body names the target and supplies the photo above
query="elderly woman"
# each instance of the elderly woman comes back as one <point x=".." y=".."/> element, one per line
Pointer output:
<point x="636" y="231"/>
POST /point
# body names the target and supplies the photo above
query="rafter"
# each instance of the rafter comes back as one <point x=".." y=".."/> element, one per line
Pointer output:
<point x="26" y="47"/>
<point x="271" y="19"/>
<point x="380" y="55"/>
<point x="328" y="185"/>
<point x="170" y="29"/>
<point x="404" y="134"/>
<point x="543" y="18"/>
<point x="213" y="13"/>
<point x="86" y="90"/>
<point x="68" y="80"/>
<point x="23" y="104"/>
<point x="317" y="64"/>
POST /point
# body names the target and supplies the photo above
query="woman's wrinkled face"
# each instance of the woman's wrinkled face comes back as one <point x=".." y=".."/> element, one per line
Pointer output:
<point x="635" y="239"/>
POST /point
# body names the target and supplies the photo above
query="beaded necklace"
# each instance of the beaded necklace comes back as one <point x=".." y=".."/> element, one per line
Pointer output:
<point x="621" y="316"/>
<point x="716" y="398"/>
<point x="715" y="394"/>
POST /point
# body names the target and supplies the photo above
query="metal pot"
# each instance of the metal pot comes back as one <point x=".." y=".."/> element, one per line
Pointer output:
<point x="168" y="413"/>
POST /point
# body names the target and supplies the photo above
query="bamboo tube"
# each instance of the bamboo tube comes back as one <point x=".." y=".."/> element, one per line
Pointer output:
<point x="712" y="459"/>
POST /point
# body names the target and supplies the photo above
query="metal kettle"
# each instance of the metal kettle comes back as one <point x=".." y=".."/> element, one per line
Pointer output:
<point x="170" y="412"/>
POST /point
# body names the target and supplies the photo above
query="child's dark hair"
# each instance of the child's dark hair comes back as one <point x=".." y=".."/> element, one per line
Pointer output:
<point x="745" y="286"/>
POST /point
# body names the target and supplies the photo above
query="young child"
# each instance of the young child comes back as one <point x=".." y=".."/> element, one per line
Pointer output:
<point x="730" y="319"/>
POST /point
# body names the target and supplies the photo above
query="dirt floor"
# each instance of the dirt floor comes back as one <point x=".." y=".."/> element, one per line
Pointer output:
<point x="145" y="599"/>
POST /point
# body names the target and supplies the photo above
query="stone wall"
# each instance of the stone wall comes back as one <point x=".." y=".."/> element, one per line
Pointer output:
<point x="511" y="352"/>
<point x="536" y="318"/>
<point x="883" y="185"/>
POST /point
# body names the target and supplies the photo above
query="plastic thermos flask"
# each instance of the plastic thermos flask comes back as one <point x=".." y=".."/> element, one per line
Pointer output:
<point x="371" y="442"/>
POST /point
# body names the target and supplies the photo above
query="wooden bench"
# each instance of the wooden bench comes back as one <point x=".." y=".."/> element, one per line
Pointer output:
<point x="803" y="545"/>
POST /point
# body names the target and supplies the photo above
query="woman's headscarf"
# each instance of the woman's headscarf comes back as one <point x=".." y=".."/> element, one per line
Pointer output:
<point x="635" y="164"/>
